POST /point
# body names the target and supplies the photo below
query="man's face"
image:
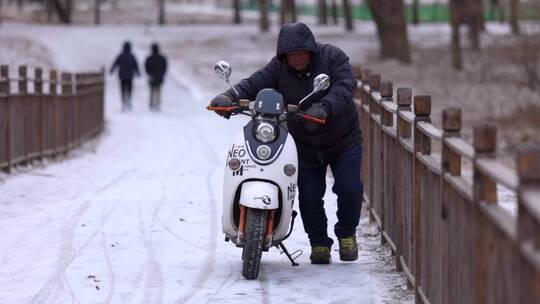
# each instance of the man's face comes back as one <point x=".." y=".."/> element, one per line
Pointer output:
<point x="299" y="60"/>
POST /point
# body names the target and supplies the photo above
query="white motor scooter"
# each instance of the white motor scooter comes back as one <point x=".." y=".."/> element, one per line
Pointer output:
<point x="261" y="174"/>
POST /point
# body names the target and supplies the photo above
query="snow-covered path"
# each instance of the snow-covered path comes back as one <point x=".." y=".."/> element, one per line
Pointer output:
<point x="135" y="216"/>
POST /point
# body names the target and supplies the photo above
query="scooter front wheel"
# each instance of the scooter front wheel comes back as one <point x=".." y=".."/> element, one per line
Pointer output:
<point x="253" y="246"/>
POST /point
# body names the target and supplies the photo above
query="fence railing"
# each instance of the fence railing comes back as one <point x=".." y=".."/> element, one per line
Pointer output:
<point x="439" y="211"/>
<point x="46" y="117"/>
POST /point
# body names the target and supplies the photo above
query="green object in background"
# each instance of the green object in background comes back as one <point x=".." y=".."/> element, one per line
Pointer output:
<point x="434" y="13"/>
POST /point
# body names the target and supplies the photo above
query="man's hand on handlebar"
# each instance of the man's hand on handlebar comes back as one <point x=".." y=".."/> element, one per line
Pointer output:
<point x="317" y="111"/>
<point x="222" y="101"/>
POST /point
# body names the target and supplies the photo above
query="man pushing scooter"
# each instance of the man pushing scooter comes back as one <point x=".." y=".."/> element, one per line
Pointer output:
<point x="337" y="143"/>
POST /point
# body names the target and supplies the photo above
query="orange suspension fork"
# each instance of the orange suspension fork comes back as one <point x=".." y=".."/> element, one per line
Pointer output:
<point x="270" y="227"/>
<point x="242" y="224"/>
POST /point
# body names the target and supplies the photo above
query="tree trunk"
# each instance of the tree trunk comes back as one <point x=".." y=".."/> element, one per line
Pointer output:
<point x="347" y="13"/>
<point x="287" y="11"/>
<point x="415" y="17"/>
<point x="264" y="22"/>
<point x="455" y="20"/>
<point x="389" y="17"/>
<point x="49" y="9"/>
<point x="64" y="10"/>
<point x="282" y="12"/>
<point x="334" y="12"/>
<point x="475" y="20"/>
<point x="323" y="16"/>
<point x="97" y="12"/>
<point x="514" y="18"/>
<point x="161" y="8"/>
<point x="292" y="10"/>
<point x="1" y="4"/>
<point x="237" y="17"/>
<point x="20" y="6"/>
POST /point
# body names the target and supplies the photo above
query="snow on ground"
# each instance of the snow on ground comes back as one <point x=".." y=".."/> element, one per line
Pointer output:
<point x="134" y="216"/>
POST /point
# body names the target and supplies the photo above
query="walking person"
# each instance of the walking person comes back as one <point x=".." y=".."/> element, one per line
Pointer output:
<point x="127" y="66"/>
<point x="156" y="67"/>
<point x="336" y="144"/>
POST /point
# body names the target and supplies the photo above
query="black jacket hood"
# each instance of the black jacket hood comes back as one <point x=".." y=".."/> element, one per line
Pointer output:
<point x="295" y="37"/>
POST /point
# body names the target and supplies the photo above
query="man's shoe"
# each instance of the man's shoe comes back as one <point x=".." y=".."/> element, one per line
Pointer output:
<point x="348" y="249"/>
<point x="320" y="255"/>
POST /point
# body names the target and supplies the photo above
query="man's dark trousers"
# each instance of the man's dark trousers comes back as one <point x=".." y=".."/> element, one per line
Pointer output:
<point x="347" y="186"/>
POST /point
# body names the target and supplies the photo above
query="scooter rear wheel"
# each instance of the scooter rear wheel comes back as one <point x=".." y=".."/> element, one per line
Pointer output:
<point x="253" y="246"/>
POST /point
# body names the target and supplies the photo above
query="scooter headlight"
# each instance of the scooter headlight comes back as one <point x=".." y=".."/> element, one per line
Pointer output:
<point x="264" y="152"/>
<point x="265" y="132"/>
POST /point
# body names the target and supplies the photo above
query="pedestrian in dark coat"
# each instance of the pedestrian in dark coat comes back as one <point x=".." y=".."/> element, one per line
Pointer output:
<point x="156" y="67"/>
<point x="127" y="66"/>
<point x="336" y="144"/>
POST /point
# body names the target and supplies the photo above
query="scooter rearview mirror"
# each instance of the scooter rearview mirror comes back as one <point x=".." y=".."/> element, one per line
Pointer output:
<point x="223" y="70"/>
<point x="321" y="83"/>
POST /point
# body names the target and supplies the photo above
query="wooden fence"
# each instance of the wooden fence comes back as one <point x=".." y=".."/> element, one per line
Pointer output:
<point x="442" y="220"/>
<point x="47" y="117"/>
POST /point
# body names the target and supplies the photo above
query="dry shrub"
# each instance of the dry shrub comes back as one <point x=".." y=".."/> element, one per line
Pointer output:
<point x="521" y="125"/>
<point x="528" y="52"/>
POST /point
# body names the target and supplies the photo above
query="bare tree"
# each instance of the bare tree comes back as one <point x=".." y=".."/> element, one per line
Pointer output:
<point x="389" y="16"/>
<point x="64" y="10"/>
<point x="323" y="14"/>
<point x="347" y="13"/>
<point x="495" y="8"/>
<point x="237" y="17"/>
<point x="287" y="11"/>
<point x="455" y="21"/>
<point x="161" y="9"/>
<point x="264" y="21"/>
<point x="514" y="8"/>
<point x="49" y="9"/>
<point x="97" y="12"/>
<point x="473" y="11"/>
<point x="334" y="12"/>
<point x="415" y="7"/>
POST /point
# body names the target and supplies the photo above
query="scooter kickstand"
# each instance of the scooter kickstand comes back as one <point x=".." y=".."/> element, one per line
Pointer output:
<point x="284" y="250"/>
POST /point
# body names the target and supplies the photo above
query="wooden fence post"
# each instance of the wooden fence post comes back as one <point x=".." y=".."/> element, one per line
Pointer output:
<point x="23" y="95"/>
<point x="528" y="167"/>
<point x="53" y="91"/>
<point x="451" y="164"/>
<point x="5" y="88"/>
<point x="23" y="79"/>
<point x="404" y="96"/>
<point x="485" y="143"/>
<point x="375" y="151"/>
<point x="67" y="108"/>
<point x="484" y="190"/>
<point x="38" y="90"/>
<point x="364" y="96"/>
<point x="386" y="120"/>
<point x="422" y="144"/>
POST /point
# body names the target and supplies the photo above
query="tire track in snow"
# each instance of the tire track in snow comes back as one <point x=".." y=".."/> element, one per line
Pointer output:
<point x="109" y="266"/>
<point x="153" y="289"/>
<point x="67" y="255"/>
<point x="210" y="260"/>
<point x="265" y="286"/>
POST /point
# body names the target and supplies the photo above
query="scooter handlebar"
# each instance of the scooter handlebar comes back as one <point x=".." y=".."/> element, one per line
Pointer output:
<point x="312" y="119"/>
<point x="292" y="109"/>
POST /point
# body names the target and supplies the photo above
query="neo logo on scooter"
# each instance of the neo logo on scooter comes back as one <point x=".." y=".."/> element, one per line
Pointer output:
<point x="265" y="199"/>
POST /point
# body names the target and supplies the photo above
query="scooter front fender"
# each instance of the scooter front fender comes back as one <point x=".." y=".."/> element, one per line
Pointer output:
<point x="259" y="195"/>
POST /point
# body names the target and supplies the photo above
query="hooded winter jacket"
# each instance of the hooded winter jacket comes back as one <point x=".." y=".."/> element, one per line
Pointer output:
<point x="156" y="66"/>
<point x="342" y="129"/>
<point x="126" y="64"/>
